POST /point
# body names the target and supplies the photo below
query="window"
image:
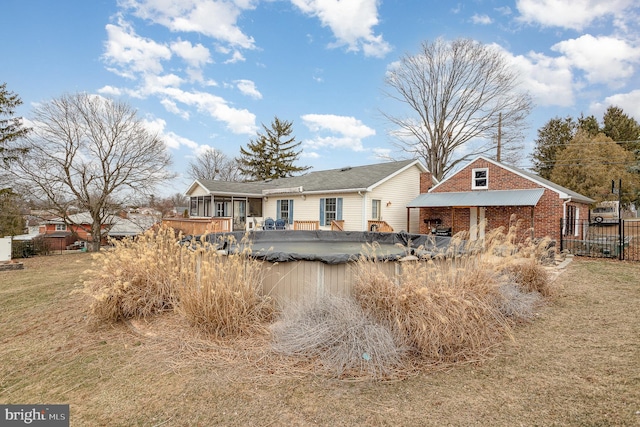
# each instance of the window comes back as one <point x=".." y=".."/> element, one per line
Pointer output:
<point x="61" y="227"/>
<point x="480" y="179"/>
<point x="375" y="210"/>
<point x="200" y="206"/>
<point x="284" y="210"/>
<point x="330" y="209"/>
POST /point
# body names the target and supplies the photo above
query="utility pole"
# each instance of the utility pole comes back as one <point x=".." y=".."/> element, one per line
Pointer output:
<point x="499" y="135"/>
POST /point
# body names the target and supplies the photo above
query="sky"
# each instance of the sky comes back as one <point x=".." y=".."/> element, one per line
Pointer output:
<point x="209" y="73"/>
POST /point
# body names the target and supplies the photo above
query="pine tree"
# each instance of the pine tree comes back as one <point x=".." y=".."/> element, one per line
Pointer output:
<point x="11" y="129"/>
<point x="552" y="139"/>
<point x="622" y="128"/>
<point x="272" y="154"/>
<point x="11" y="220"/>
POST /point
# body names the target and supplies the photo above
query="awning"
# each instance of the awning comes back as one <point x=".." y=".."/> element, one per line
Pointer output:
<point x="528" y="197"/>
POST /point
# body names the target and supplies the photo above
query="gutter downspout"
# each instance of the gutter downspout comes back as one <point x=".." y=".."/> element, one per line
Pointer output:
<point x="564" y="222"/>
<point x="364" y="210"/>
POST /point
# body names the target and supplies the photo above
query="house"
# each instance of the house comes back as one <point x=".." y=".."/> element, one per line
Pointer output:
<point x="362" y="198"/>
<point x="131" y="224"/>
<point x="486" y="193"/>
<point x="73" y="232"/>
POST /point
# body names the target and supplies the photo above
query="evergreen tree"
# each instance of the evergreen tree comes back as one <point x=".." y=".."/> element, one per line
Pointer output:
<point x="272" y="154"/>
<point x="589" y="125"/>
<point x="11" y="220"/>
<point x="588" y="164"/>
<point x="552" y="139"/>
<point x="621" y="128"/>
<point x="10" y="128"/>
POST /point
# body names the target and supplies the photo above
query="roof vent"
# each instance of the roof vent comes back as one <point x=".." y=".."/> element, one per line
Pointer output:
<point x="345" y="169"/>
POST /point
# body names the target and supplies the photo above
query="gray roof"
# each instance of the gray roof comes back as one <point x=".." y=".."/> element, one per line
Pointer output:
<point x="528" y="197"/>
<point x="132" y="226"/>
<point x="574" y="196"/>
<point x="564" y="193"/>
<point x="334" y="180"/>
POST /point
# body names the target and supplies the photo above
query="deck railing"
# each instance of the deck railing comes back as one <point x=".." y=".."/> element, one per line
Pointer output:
<point x="337" y="225"/>
<point x="380" y="226"/>
<point x="306" y="225"/>
<point x="199" y="226"/>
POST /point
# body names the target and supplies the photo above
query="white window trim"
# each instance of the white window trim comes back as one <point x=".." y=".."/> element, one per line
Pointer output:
<point x="473" y="179"/>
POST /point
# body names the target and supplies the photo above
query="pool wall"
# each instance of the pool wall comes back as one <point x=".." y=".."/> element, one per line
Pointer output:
<point x="319" y="266"/>
<point x="300" y="280"/>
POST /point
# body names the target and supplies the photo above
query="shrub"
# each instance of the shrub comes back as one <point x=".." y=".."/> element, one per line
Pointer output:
<point x="340" y="335"/>
<point x="137" y="277"/>
<point x="530" y="276"/>
<point x="516" y="304"/>
<point x="217" y="293"/>
<point x="443" y="309"/>
<point x="221" y="294"/>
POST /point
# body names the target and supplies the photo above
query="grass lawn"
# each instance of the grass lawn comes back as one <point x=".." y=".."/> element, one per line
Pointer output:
<point x="578" y="363"/>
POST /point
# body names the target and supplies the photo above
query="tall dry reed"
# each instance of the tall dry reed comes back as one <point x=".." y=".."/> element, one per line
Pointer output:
<point x="222" y="294"/>
<point x="218" y="293"/>
<point x="137" y="277"/>
<point x="451" y="306"/>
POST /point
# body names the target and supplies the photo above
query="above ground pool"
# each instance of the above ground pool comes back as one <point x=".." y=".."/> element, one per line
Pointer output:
<point x="301" y="264"/>
<point x="329" y="247"/>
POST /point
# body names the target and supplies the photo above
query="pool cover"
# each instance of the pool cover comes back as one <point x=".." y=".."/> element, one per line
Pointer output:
<point x="330" y="247"/>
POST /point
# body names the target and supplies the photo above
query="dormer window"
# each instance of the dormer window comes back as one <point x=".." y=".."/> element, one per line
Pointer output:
<point x="480" y="179"/>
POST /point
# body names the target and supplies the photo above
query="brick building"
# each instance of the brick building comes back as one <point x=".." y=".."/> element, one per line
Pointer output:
<point x="485" y="194"/>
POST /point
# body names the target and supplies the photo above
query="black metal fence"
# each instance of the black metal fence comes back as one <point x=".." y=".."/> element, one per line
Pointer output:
<point x="615" y="239"/>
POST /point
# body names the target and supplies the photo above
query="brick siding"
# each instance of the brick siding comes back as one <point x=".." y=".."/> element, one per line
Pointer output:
<point x="547" y="214"/>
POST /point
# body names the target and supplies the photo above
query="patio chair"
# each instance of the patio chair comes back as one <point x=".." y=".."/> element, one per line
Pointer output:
<point x="280" y="224"/>
<point x="269" y="224"/>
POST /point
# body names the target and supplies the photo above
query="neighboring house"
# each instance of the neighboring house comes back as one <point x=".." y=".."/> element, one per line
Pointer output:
<point x="75" y="232"/>
<point x="131" y="225"/>
<point x="354" y="198"/>
<point x="486" y="193"/>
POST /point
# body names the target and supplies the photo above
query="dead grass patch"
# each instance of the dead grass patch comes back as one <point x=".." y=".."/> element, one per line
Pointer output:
<point x="576" y="365"/>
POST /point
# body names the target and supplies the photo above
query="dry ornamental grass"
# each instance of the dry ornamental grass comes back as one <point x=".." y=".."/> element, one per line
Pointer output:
<point x="456" y="306"/>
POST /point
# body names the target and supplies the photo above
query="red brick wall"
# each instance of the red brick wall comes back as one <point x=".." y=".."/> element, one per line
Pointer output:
<point x="426" y="181"/>
<point x="546" y="217"/>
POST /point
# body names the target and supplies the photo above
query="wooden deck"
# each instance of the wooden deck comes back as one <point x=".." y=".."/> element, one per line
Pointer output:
<point x="199" y="226"/>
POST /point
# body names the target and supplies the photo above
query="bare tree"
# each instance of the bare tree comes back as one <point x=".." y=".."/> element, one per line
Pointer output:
<point x="462" y="98"/>
<point x="214" y="164"/>
<point x="91" y="152"/>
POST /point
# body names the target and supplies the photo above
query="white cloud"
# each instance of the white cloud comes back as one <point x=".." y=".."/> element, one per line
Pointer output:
<point x="606" y="60"/>
<point x="212" y="18"/>
<point x="572" y="14"/>
<point x="131" y="53"/>
<point x="235" y="57"/>
<point x="240" y="121"/>
<point x="351" y="22"/>
<point x="481" y="19"/>
<point x="247" y="87"/>
<point x="549" y="80"/>
<point x="172" y="107"/>
<point x="194" y="55"/>
<point x="171" y="139"/>
<point x="110" y="91"/>
<point x="350" y="131"/>
<point x="629" y="102"/>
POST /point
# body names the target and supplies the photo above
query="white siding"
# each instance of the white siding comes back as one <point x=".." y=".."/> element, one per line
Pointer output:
<point x="356" y="208"/>
<point x="199" y="191"/>
<point x="399" y="190"/>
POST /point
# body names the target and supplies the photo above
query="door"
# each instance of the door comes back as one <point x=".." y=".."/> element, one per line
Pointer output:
<point x="477" y="222"/>
<point x="239" y="215"/>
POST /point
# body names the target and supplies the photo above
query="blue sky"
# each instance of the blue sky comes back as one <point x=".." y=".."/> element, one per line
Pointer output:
<point x="208" y="73"/>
